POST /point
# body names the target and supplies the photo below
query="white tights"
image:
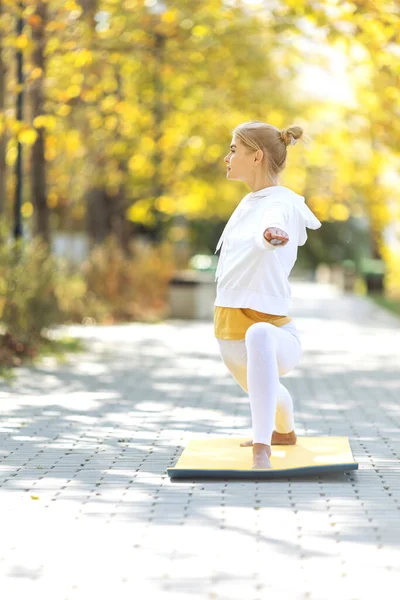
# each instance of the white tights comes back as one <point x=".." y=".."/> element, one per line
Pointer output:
<point x="256" y="363"/>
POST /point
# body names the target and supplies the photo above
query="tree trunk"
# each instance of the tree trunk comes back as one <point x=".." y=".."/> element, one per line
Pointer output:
<point x="159" y="117"/>
<point x="89" y="8"/>
<point x="3" y="140"/>
<point x="120" y="224"/>
<point x="98" y="215"/>
<point x="105" y="214"/>
<point x="38" y="162"/>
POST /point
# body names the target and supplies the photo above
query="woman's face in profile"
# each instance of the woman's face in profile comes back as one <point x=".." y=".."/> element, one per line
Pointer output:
<point x="239" y="161"/>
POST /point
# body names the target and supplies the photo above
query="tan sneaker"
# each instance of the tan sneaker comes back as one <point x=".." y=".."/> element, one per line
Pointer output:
<point x="278" y="439"/>
<point x="283" y="438"/>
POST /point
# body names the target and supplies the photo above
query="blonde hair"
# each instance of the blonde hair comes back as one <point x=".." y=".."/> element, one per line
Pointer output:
<point x="256" y="135"/>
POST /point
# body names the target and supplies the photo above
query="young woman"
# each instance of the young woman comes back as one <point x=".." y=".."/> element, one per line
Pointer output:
<point x="258" y="341"/>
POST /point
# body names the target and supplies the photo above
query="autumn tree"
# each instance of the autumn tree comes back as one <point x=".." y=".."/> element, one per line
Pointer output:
<point x="3" y="139"/>
<point x="131" y="107"/>
<point x="38" y="22"/>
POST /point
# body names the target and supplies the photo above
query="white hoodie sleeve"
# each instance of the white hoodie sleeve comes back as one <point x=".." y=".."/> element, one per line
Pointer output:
<point x="277" y="214"/>
<point x="293" y="216"/>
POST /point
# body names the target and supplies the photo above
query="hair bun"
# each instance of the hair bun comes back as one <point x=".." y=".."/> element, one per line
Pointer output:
<point x="291" y="134"/>
<point x="284" y="136"/>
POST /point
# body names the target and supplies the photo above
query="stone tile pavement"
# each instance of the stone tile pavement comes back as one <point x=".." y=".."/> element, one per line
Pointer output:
<point x="87" y="510"/>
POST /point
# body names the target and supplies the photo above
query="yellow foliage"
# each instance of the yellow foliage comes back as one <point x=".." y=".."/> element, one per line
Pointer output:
<point x="109" y="103"/>
<point x="127" y="129"/>
<point x="166" y="204"/>
<point x="196" y="57"/>
<point x="83" y="57"/>
<point x="277" y="117"/>
<point x="54" y="26"/>
<point x="27" y="137"/>
<point x="214" y="151"/>
<point x="96" y="121"/>
<point x="51" y="141"/>
<point x="120" y="147"/>
<point x="170" y="16"/>
<point x="78" y="78"/>
<point x="47" y="121"/>
<point x="339" y="212"/>
<point x="52" y="200"/>
<point x="72" y="142"/>
<point x="360" y="286"/>
<point x="341" y="172"/>
<point x="36" y="73"/>
<point x="61" y="96"/>
<point x="200" y="31"/>
<point x="52" y="45"/>
<point x="139" y="36"/>
<point x="140" y="212"/>
<point x="50" y="153"/>
<point x="194" y="202"/>
<point x="111" y="122"/>
<point x="15" y="126"/>
<point x="295" y="177"/>
<point x="147" y="144"/>
<point x="73" y="90"/>
<point x="121" y="107"/>
<point x="64" y="110"/>
<point x="21" y="42"/>
<point x="185" y="166"/>
<point x="195" y="142"/>
<point x="321" y="206"/>
<point x="141" y="165"/>
<point x="131" y="113"/>
<point x="71" y="5"/>
<point x="11" y="154"/>
<point x="114" y="58"/>
<point x="90" y="95"/>
<point x="392" y="277"/>
<point x="27" y="209"/>
<point x="110" y="85"/>
<point x="130" y="4"/>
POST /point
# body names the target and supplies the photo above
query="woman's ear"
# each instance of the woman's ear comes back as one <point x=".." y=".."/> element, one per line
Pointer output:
<point x="259" y="156"/>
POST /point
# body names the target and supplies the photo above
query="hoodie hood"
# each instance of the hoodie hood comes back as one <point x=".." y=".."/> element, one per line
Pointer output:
<point x="305" y="214"/>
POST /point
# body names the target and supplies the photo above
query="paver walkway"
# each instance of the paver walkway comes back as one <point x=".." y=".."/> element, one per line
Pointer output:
<point x="88" y="512"/>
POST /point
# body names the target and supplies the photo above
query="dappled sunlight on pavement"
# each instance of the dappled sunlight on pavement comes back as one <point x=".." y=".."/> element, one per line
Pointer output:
<point x="88" y="510"/>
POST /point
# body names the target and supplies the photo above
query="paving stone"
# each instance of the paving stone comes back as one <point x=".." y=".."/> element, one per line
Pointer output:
<point x="89" y="511"/>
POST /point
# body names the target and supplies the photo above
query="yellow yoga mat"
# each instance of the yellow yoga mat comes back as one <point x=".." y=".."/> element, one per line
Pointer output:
<point x="224" y="457"/>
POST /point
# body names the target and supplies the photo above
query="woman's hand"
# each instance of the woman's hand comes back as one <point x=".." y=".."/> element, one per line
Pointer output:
<point x="276" y="236"/>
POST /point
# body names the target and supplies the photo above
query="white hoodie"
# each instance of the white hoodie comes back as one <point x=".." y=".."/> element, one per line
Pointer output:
<point x="251" y="272"/>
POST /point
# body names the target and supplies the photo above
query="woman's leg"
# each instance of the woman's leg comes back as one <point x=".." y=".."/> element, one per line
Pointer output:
<point x="284" y="416"/>
<point x="271" y="352"/>
<point x="234" y="356"/>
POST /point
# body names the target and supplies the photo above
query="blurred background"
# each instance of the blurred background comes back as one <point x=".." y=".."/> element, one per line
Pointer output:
<point x="116" y="115"/>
